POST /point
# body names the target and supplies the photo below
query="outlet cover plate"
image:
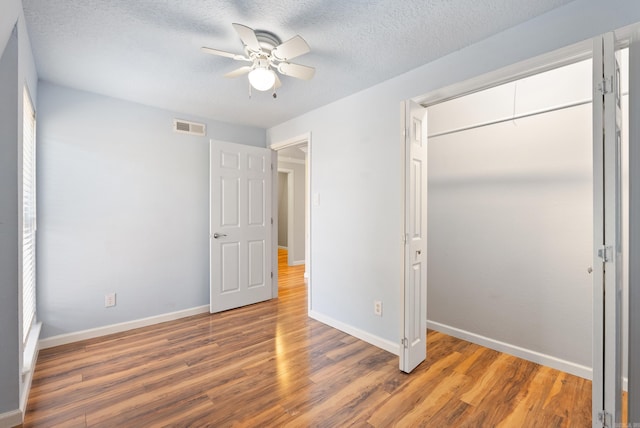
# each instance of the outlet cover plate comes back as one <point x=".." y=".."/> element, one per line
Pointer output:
<point x="377" y="307"/>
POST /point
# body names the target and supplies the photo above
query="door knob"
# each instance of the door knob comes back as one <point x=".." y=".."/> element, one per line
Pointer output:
<point x="219" y="235"/>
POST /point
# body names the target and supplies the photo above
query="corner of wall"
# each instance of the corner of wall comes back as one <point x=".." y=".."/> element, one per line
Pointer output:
<point x="372" y="339"/>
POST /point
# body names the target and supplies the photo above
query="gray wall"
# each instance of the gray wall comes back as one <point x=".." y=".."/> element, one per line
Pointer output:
<point x="124" y="207"/>
<point x="296" y="242"/>
<point x="283" y="209"/>
<point x="9" y="244"/>
<point x="17" y="69"/>
<point x="356" y="229"/>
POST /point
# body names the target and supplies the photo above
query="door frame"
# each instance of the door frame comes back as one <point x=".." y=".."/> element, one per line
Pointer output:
<point x="545" y="62"/>
<point x="283" y="144"/>
<point x="633" y="365"/>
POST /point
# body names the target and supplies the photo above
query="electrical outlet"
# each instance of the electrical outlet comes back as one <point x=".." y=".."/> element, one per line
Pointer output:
<point x="109" y="300"/>
<point x="377" y="307"/>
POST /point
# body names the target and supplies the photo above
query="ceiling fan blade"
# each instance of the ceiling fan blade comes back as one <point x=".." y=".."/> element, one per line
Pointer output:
<point x="239" y="71"/>
<point x="290" y="49"/>
<point x="218" y="52"/>
<point x="278" y="82"/>
<point x="296" y="70"/>
<point x="248" y="36"/>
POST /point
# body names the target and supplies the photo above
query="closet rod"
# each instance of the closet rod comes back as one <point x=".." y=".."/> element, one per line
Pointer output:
<point x="521" y="116"/>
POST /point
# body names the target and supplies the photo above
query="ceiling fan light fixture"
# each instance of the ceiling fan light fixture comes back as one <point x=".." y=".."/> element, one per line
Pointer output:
<point x="269" y="58"/>
<point x="262" y="78"/>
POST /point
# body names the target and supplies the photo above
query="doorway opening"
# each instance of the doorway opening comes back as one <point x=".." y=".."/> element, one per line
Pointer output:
<point x="510" y="193"/>
<point x="286" y="205"/>
<point x="294" y="165"/>
<point x="291" y="203"/>
<point x="514" y="188"/>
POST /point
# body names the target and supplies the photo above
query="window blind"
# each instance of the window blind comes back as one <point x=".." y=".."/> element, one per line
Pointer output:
<point x="28" y="216"/>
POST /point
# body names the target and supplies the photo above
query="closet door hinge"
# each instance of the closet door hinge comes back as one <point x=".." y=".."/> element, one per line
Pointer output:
<point x="405" y="342"/>
<point x="605" y="253"/>
<point x="605" y="85"/>
<point x="605" y="418"/>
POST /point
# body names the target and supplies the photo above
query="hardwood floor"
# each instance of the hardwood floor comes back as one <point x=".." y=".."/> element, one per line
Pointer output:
<point x="270" y="365"/>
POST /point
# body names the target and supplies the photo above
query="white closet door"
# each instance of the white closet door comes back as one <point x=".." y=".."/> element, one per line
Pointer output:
<point x="414" y="343"/>
<point x="607" y="279"/>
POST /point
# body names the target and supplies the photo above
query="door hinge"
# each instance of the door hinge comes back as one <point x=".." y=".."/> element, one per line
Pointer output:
<point x="271" y="167"/>
<point x="605" y="253"/>
<point x="271" y="220"/>
<point x="605" y="418"/>
<point x="405" y="238"/>
<point x="605" y="86"/>
<point x="271" y="275"/>
<point x="405" y="342"/>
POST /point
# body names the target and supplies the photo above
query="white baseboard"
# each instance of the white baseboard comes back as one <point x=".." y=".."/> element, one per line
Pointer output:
<point x="297" y="262"/>
<point x="374" y="340"/>
<point x="283" y="247"/>
<point x="63" y="339"/>
<point x="11" y="418"/>
<point x="507" y="348"/>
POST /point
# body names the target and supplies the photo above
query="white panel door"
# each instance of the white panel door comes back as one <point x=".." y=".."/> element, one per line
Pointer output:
<point x="241" y="233"/>
<point x="414" y="341"/>
<point x="607" y="357"/>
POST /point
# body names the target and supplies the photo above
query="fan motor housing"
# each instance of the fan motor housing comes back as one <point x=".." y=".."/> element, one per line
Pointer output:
<point x="267" y="40"/>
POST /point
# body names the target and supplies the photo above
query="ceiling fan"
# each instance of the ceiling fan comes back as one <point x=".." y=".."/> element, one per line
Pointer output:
<point x="267" y="54"/>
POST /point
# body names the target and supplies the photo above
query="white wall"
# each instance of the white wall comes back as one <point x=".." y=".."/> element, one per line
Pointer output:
<point x="356" y="229"/>
<point x="124" y="207"/>
<point x="297" y="240"/>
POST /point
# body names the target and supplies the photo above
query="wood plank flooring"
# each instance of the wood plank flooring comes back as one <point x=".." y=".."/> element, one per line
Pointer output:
<point x="269" y="365"/>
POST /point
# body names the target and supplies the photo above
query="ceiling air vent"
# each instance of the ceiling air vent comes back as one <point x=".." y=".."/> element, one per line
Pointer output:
<point x="192" y="128"/>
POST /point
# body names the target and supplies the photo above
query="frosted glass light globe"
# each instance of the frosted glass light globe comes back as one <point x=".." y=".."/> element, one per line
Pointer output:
<point x="262" y="79"/>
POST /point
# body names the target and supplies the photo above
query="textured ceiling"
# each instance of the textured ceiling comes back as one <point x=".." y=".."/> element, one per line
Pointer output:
<point x="148" y="51"/>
